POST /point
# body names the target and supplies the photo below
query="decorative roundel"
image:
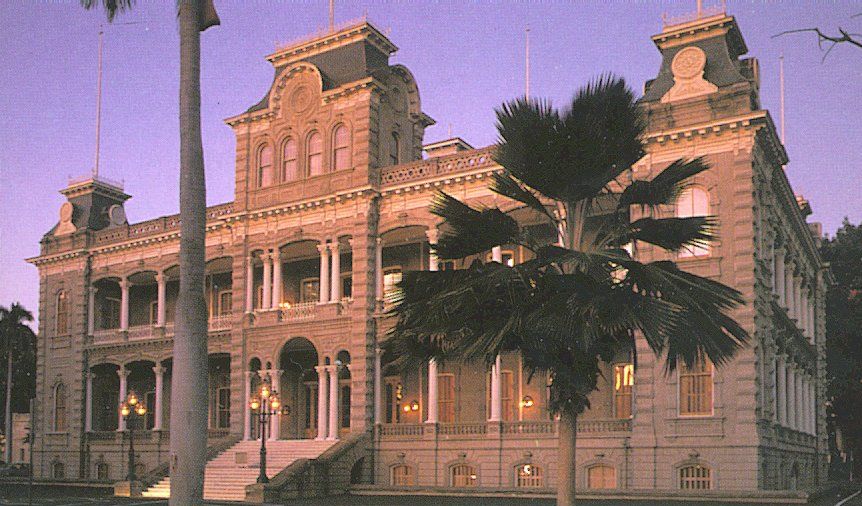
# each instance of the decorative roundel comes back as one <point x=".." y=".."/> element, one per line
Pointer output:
<point x="117" y="214"/>
<point x="66" y="211"/>
<point x="300" y="99"/>
<point x="688" y="63"/>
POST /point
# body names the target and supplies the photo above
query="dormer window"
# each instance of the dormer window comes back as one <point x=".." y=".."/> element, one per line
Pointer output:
<point x="314" y="150"/>
<point x="264" y="166"/>
<point x="340" y="148"/>
<point x="289" y="170"/>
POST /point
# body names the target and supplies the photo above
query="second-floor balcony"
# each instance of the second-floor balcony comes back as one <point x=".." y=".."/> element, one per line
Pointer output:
<point x="220" y="323"/>
<point x="509" y="430"/>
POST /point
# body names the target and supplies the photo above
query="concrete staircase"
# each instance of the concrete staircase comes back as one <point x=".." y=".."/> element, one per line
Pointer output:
<point x="229" y="472"/>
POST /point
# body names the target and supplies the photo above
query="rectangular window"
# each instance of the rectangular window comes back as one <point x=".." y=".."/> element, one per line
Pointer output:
<point x="507" y="391"/>
<point x="225" y="302"/>
<point x="508" y="258"/>
<point x="111" y="313"/>
<point x="150" y="403"/>
<point x="309" y="290"/>
<point x="695" y="477"/>
<point x="394" y="395"/>
<point x="402" y="476"/>
<point x="601" y="477"/>
<point x="391" y="277"/>
<point x="310" y="405"/>
<point x="624" y="379"/>
<point x="446" y="397"/>
<point x="695" y="389"/>
<point x="345" y="404"/>
<point x="154" y="312"/>
<point x="347" y="285"/>
<point x="223" y="408"/>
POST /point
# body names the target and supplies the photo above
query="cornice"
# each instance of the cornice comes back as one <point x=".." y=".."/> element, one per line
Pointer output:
<point x="56" y="258"/>
<point x="447" y="180"/>
<point x="353" y="32"/>
<point x="303" y="205"/>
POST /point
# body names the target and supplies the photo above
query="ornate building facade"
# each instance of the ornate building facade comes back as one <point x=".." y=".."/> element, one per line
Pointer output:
<point x="331" y="206"/>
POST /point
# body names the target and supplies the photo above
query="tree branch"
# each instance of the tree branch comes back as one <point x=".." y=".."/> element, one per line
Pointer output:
<point x="843" y="38"/>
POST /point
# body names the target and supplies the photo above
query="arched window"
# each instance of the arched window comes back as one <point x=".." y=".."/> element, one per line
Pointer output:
<point x="601" y="476"/>
<point x="314" y="154"/>
<point x="463" y="475"/>
<point x="340" y="148"/>
<point x="403" y="476"/>
<point x="62" y="313"/>
<point x="394" y="149"/>
<point x="264" y="166"/>
<point x="693" y="201"/>
<point x="59" y="408"/>
<point x="695" y="388"/>
<point x="58" y="471"/>
<point x="289" y="165"/>
<point x="528" y="476"/>
<point x="695" y="477"/>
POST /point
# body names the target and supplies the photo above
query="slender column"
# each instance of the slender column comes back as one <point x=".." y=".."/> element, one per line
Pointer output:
<point x="323" y="286"/>
<point x="276" y="279"/>
<point x="246" y="429"/>
<point x="792" y="407"/>
<point x="813" y="411"/>
<point x="333" y="402"/>
<point x="433" y="261"/>
<point x="267" y="282"/>
<point x="781" y="392"/>
<point x="797" y="297"/>
<point x="161" y="305"/>
<point x="497" y="254"/>
<point x="123" y="373"/>
<point x="322" y="390"/>
<point x="157" y="413"/>
<point x="275" y="427"/>
<point x="378" y="269"/>
<point x="432" y="392"/>
<point x="812" y="327"/>
<point x="88" y="404"/>
<point x="496" y="393"/>
<point x="800" y="404"/>
<point x="91" y="310"/>
<point x="779" y="277"/>
<point x="335" y="282"/>
<point x="124" y="304"/>
<point x="788" y="288"/>
<point x="378" y="385"/>
<point x="803" y="310"/>
<point x="249" y="285"/>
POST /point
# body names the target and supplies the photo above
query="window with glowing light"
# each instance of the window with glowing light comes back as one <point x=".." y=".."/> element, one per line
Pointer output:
<point x="624" y="379"/>
<point x="528" y="476"/>
<point x="446" y="397"/>
<point x="62" y="313"/>
<point x="692" y="202"/>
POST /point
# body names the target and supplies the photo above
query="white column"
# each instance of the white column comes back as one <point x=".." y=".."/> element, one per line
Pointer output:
<point x="157" y="411"/>
<point x="123" y="373"/>
<point x="378" y="270"/>
<point x="124" y="304"/>
<point x="249" y="285"/>
<point x="432" y="392"/>
<point x="496" y="393"/>
<point x="88" y="404"/>
<point x="378" y="385"/>
<point x="781" y="392"/>
<point x="275" y="427"/>
<point x="323" y="286"/>
<point x="333" y="402"/>
<point x="91" y="310"/>
<point x="433" y="261"/>
<point x="779" y="277"/>
<point x="800" y="404"/>
<point x="497" y="254"/>
<point x="246" y="430"/>
<point x="161" y="305"/>
<point x="276" y="279"/>
<point x="792" y="407"/>
<point x="267" y="282"/>
<point x="335" y="282"/>
<point x="322" y="390"/>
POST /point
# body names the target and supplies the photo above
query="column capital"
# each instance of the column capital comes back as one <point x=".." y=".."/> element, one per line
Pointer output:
<point x="250" y="374"/>
<point x="432" y="235"/>
<point x="160" y="277"/>
<point x="332" y="368"/>
<point x="123" y="372"/>
<point x="158" y="369"/>
<point x="323" y="247"/>
<point x="124" y="283"/>
<point x="92" y="289"/>
<point x="334" y="247"/>
<point x="321" y="369"/>
<point x="378" y="241"/>
<point x="275" y="254"/>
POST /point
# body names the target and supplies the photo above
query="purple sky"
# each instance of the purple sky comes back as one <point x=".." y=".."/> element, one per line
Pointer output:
<point x="466" y="56"/>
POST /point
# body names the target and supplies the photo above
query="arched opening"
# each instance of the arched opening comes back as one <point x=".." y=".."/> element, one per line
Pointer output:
<point x="254" y="366"/>
<point x="142" y="381"/>
<point x="219" y="393"/>
<point x="342" y="360"/>
<point x="298" y="389"/>
<point x="106" y="389"/>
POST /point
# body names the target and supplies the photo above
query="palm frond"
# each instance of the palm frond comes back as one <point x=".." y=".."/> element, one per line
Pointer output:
<point x="506" y="185"/>
<point x="470" y="231"/>
<point x="665" y="187"/>
<point x="111" y="7"/>
<point x="672" y="234"/>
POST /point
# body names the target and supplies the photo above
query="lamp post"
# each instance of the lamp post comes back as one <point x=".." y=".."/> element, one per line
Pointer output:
<point x="265" y="404"/>
<point x="131" y="407"/>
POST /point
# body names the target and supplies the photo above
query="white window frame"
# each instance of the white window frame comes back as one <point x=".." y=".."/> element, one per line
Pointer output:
<point x="693" y="251"/>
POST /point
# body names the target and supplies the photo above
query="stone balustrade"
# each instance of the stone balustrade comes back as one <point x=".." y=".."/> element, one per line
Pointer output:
<point x="511" y="430"/>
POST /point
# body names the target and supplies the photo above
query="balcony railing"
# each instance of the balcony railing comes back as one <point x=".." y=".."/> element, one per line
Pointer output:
<point x="538" y="428"/>
<point x="139" y="332"/>
<point x="144" y="332"/>
<point x="299" y="311"/>
<point x="221" y="322"/>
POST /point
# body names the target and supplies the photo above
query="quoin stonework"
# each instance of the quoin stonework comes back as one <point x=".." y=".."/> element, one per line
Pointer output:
<point x="333" y="185"/>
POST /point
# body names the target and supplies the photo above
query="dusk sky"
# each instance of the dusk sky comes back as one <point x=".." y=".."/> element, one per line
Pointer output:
<point x="467" y="57"/>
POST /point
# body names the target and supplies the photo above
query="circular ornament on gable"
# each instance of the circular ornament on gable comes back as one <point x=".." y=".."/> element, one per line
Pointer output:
<point x="688" y="63"/>
<point x="66" y="211"/>
<point x="300" y="99"/>
<point x="117" y="214"/>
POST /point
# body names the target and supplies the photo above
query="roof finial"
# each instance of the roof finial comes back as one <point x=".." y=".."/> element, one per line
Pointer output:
<point x="331" y="15"/>
<point x="98" y="106"/>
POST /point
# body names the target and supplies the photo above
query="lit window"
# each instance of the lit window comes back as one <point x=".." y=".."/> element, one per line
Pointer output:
<point x="60" y="408"/>
<point x="508" y="258"/>
<point x="464" y="475"/>
<point x="314" y="154"/>
<point x="507" y="389"/>
<point x="391" y="277"/>
<point x="601" y="476"/>
<point x="62" y="313"/>
<point x="446" y="397"/>
<point x="528" y="476"/>
<point x="693" y="202"/>
<point x="695" y="477"/>
<point x="289" y="170"/>
<point x="402" y="476"/>
<point x="225" y="302"/>
<point x="341" y="148"/>
<point x="309" y="290"/>
<point x="394" y="149"/>
<point x="624" y="379"/>
<point x="695" y="389"/>
<point x="264" y="166"/>
<point x="394" y="395"/>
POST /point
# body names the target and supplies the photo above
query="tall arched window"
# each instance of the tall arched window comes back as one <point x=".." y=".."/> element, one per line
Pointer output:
<point x="62" y="313"/>
<point x="695" y="388"/>
<point x="693" y="201"/>
<point x="264" y="166"/>
<point x="314" y="154"/>
<point x="394" y="149"/>
<point x="59" y="408"/>
<point x="289" y="165"/>
<point x="340" y="148"/>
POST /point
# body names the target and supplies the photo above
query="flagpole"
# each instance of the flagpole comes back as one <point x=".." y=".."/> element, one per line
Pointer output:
<point x="98" y="106"/>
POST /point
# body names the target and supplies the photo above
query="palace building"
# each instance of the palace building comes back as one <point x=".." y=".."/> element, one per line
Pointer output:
<point x="333" y="185"/>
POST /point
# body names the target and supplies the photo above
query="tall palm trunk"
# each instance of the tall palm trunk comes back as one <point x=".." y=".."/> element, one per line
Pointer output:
<point x="566" y="458"/>
<point x="189" y="381"/>
<point x="8" y="420"/>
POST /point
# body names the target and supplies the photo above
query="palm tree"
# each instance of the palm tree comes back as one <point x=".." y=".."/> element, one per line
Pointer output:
<point x="15" y="335"/>
<point x="583" y="297"/>
<point x="189" y="382"/>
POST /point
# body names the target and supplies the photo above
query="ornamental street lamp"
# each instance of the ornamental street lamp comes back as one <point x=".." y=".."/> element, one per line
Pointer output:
<point x="132" y="407"/>
<point x="265" y="404"/>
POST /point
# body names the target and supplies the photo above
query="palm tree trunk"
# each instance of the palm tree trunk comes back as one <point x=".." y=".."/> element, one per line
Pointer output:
<point x="566" y="458"/>
<point x="189" y="382"/>
<point x="8" y="449"/>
